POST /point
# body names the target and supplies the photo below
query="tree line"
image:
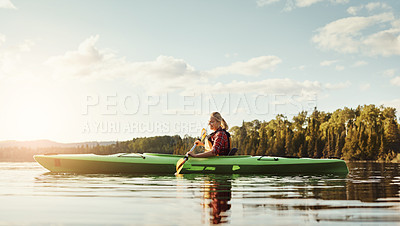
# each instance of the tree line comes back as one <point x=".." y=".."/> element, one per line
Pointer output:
<point x="365" y="133"/>
<point x="158" y="144"/>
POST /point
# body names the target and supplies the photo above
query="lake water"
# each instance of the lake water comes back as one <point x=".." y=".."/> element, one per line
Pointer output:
<point x="369" y="195"/>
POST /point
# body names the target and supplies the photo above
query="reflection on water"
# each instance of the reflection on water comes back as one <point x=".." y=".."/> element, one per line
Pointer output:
<point x="370" y="193"/>
<point x="217" y="197"/>
<point x="30" y="195"/>
<point x="371" y="182"/>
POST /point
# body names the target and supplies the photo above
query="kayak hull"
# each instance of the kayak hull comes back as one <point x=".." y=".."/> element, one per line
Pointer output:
<point x="149" y="163"/>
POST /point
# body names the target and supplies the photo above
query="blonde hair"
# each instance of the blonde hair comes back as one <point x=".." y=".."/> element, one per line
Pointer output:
<point x="219" y="118"/>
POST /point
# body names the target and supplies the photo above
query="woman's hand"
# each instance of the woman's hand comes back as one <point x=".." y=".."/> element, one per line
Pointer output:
<point x="190" y="153"/>
<point x="198" y="143"/>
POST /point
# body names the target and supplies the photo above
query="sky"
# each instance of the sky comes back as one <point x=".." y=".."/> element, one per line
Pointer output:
<point x="74" y="71"/>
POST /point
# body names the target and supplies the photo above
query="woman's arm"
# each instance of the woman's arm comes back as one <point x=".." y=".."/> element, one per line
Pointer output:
<point x="202" y="155"/>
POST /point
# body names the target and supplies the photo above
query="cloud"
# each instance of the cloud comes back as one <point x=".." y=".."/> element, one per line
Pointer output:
<point x="301" y="67"/>
<point x="389" y="72"/>
<point x="306" y="3"/>
<point x="339" y="68"/>
<point x="87" y="54"/>
<point x="164" y="67"/>
<point x="339" y="1"/>
<point x="166" y="73"/>
<point x="395" y="81"/>
<point x="328" y="62"/>
<point x="163" y="74"/>
<point x="292" y="4"/>
<point x="86" y="61"/>
<point x="331" y="62"/>
<point x="359" y="63"/>
<point x="262" y="3"/>
<point x="341" y="85"/>
<point x="352" y="35"/>
<point x="251" y="67"/>
<point x="385" y="43"/>
<point x="6" y="4"/>
<point x="26" y="46"/>
<point x="12" y="58"/>
<point x="376" y="5"/>
<point x="354" y="10"/>
<point x="268" y="86"/>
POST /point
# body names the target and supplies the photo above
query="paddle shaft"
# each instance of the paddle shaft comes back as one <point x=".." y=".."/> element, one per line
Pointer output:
<point x="187" y="156"/>
<point x="192" y="148"/>
<point x="182" y="161"/>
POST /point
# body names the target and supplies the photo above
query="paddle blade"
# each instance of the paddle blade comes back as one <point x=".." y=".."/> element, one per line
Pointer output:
<point x="203" y="134"/>
<point x="181" y="162"/>
<point x="179" y="165"/>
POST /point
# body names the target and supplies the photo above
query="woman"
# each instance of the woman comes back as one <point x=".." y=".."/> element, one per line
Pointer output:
<point x="218" y="142"/>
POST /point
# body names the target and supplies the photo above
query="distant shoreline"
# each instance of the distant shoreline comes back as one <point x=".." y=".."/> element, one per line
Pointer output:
<point x="43" y="143"/>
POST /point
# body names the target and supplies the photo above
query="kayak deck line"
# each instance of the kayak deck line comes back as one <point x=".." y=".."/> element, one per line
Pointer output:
<point x="132" y="155"/>
<point x="166" y="164"/>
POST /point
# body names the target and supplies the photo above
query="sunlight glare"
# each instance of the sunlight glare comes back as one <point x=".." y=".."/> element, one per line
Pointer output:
<point x="33" y="111"/>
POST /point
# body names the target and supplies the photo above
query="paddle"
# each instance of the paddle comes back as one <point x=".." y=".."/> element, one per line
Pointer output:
<point x="179" y="164"/>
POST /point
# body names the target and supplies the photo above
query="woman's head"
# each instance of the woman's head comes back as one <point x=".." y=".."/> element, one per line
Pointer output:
<point x="216" y="121"/>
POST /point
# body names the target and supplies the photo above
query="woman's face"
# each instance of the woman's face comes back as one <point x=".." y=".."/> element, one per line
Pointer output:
<point x="214" y="124"/>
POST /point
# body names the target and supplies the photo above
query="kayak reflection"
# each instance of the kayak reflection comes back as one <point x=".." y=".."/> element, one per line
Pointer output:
<point x="217" y="197"/>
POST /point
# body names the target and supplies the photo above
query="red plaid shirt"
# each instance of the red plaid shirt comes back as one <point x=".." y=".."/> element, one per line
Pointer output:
<point x="220" y="142"/>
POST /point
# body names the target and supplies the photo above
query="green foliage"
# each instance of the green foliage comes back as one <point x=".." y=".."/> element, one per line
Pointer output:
<point x="365" y="133"/>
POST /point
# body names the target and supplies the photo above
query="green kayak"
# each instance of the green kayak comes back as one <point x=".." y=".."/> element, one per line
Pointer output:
<point x="149" y="163"/>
